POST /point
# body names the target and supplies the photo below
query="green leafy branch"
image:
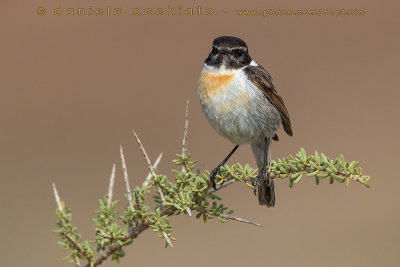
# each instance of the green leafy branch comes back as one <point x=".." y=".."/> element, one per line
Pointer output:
<point x="190" y="191"/>
<point x="317" y="165"/>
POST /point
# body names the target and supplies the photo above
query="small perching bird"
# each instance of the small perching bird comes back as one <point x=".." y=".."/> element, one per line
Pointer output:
<point x="241" y="103"/>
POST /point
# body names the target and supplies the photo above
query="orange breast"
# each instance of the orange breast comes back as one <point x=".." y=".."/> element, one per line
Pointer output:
<point x="212" y="83"/>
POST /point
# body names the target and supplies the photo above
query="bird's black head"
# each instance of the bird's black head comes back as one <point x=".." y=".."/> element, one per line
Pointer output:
<point x="229" y="51"/>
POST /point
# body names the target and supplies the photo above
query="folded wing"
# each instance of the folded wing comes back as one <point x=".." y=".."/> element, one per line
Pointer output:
<point x="263" y="80"/>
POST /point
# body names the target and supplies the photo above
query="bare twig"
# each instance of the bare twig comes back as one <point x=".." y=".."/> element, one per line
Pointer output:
<point x="151" y="168"/>
<point x="109" y="195"/>
<point x="184" y="146"/>
<point x="229" y="217"/>
<point x="185" y="134"/>
<point x="149" y="176"/>
<point x="146" y="157"/>
<point x="225" y="184"/>
<point x="126" y="178"/>
<point x="167" y="239"/>
<point x="57" y="197"/>
<point x="111" y="186"/>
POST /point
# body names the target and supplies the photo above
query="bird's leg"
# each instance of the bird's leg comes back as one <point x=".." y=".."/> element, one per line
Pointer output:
<point x="217" y="170"/>
<point x="263" y="171"/>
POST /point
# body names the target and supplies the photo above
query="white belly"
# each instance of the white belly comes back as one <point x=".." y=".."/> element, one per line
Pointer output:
<point x="237" y="109"/>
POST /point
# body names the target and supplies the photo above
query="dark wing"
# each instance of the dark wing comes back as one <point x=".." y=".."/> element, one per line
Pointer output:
<point x="261" y="78"/>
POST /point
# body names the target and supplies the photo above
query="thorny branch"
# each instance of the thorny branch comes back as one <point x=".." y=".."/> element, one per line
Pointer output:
<point x="133" y="233"/>
<point x="113" y="241"/>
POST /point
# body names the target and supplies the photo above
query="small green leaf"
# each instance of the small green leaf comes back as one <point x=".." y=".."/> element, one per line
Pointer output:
<point x="298" y="178"/>
<point x="295" y="175"/>
<point x="204" y="217"/>
<point x="312" y="173"/>
<point x="221" y="219"/>
<point x="322" y="175"/>
<point x="338" y="178"/>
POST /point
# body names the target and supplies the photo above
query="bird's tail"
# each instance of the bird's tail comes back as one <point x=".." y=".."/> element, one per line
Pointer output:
<point x="266" y="192"/>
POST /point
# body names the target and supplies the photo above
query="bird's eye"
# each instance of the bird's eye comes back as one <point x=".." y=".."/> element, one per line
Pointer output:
<point x="238" y="52"/>
<point x="214" y="51"/>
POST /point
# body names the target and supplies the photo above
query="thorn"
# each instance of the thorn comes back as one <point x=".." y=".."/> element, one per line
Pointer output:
<point x="149" y="175"/>
<point x="126" y="178"/>
<point x="188" y="211"/>
<point x="167" y="239"/>
<point x="111" y="186"/>
<point x="57" y="197"/>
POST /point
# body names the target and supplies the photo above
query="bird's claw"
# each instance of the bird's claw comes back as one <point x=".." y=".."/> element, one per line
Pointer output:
<point x="213" y="173"/>
<point x="256" y="181"/>
<point x="255" y="184"/>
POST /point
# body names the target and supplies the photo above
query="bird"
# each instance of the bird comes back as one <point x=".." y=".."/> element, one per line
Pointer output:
<point x="241" y="103"/>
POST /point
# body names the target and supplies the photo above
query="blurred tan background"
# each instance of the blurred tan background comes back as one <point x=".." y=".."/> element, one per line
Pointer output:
<point x="72" y="89"/>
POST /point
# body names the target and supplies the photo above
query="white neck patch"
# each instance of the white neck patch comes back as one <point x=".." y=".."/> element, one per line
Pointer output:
<point x="253" y="63"/>
<point x="223" y="70"/>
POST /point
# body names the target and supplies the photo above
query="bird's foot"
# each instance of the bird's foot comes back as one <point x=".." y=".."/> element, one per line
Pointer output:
<point x="261" y="175"/>
<point x="213" y="173"/>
